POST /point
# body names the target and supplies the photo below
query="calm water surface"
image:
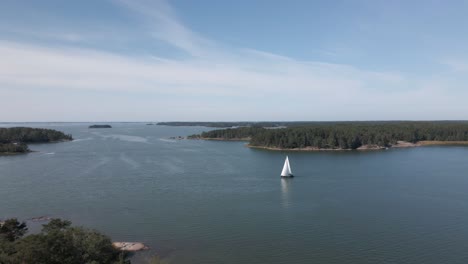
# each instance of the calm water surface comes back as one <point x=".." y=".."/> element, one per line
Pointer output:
<point x="220" y="202"/>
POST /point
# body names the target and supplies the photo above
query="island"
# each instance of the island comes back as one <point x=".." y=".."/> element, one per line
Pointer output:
<point x="178" y="137"/>
<point x="235" y="124"/>
<point x="100" y="126"/>
<point x="346" y="135"/>
<point x="14" y="140"/>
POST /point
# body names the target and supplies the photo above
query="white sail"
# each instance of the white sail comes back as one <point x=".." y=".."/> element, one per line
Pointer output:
<point x="286" y="172"/>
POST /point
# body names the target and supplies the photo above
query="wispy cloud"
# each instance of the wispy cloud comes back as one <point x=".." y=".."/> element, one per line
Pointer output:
<point x="212" y="81"/>
<point x="72" y="68"/>
<point x="456" y="65"/>
<point x="46" y="35"/>
<point x="162" y="23"/>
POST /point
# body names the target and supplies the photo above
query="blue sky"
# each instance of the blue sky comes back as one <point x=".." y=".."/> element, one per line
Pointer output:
<point x="142" y="60"/>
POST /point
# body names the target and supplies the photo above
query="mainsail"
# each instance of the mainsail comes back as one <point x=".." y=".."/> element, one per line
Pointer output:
<point x="286" y="169"/>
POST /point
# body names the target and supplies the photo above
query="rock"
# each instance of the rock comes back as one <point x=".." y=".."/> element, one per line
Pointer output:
<point x="129" y="246"/>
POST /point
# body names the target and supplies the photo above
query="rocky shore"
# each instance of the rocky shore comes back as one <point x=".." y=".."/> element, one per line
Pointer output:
<point x="130" y="246"/>
<point x="399" y="144"/>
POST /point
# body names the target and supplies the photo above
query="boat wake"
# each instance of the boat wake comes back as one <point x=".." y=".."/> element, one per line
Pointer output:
<point x="82" y="139"/>
<point x="132" y="163"/>
<point x="167" y="140"/>
<point x="127" y="138"/>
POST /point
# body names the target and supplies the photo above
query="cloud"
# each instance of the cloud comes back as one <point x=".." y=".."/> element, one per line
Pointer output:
<point x="56" y="35"/>
<point x="212" y="82"/>
<point x="456" y="65"/>
<point x="163" y="24"/>
<point x="71" y="68"/>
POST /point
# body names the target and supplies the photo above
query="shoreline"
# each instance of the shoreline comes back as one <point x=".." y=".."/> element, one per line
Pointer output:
<point x="130" y="246"/>
<point x="306" y="149"/>
<point x="14" y="153"/>
<point x="400" y="144"/>
<point x="222" y="139"/>
<point x="34" y="143"/>
<point x="50" y="142"/>
<point x="442" y="143"/>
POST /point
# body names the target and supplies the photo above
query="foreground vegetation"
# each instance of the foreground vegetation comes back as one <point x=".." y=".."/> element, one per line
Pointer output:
<point x="15" y="139"/>
<point x="345" y="135"/>
<point x="58" y="243"/>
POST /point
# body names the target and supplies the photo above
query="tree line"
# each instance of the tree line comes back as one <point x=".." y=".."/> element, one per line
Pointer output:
<point x="15" y="139"/>
<point x="230" y="133"/>
<point x="346" y="135"/>
<point x="243" y="124"/>
<point x="13" y="148"/>
<point x="31" y="135"/>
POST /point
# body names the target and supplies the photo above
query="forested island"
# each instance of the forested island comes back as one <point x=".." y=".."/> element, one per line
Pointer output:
<point x="346" y="135"/>
<point x="233" y="124"/>
<point x="14" y="140"/>
<point x="100" y="126"/>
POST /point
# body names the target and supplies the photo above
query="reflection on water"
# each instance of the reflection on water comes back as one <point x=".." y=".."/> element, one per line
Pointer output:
<point x="285" y="191"/>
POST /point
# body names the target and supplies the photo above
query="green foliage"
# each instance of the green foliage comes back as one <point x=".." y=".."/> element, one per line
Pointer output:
<point x="11" y="230"/>
<point x="14" y="139"/>
<point x="31" y="135"/>
<point x="60" y="243"/>
<point x="346" y="135"/>
<point x="230" y="133"/>
<point x="13" y="148"/>
<point x="55" y="225"/>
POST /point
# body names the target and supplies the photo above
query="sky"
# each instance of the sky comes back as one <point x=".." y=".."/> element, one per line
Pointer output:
<point x="255" y="60"/>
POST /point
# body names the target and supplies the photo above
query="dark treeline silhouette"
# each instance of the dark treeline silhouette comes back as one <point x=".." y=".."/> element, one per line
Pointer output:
<point x="100" y="126"/>
<point x="216" y="124"/>
<point x="230" y="133"/>
<point x="14" y="139"/>
<point x="346" y="135"/>
<point x="31" y="135"/>
<point x="242" y="124"/>
<point x="13" y="148"/>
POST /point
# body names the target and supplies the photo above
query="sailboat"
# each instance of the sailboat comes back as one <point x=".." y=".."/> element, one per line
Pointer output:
<point x="286" y="172"/>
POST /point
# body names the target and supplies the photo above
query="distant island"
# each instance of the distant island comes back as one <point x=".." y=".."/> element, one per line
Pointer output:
<point x="346" y="135"/>
<point x="100" y="126"/>
<point x="14" y="140"/>
<point x="229" y="124"/>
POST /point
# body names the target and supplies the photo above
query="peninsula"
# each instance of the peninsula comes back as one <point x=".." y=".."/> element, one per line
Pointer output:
<point x="14" y="140"/>
<point x="347" y="135"/>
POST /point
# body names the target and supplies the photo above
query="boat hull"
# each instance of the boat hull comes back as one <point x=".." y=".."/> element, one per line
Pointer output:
<point x="287" y="176"/>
